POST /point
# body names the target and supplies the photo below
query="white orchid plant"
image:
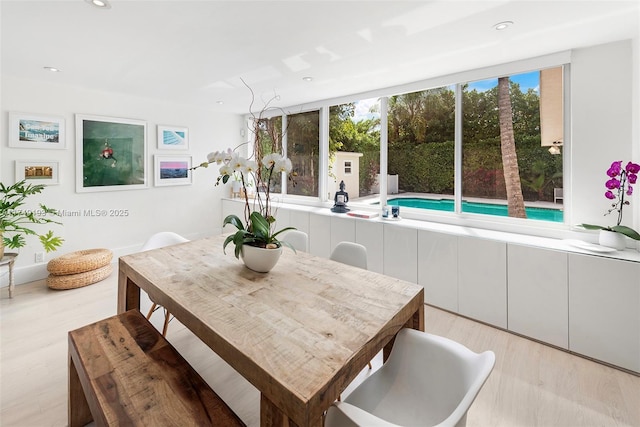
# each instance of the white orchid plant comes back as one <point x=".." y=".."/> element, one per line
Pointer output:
<point x="257" y="227"/>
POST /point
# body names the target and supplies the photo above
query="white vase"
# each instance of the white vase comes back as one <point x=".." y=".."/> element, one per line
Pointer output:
<point x="611" y="239"/>
<point x="260" y="260"/>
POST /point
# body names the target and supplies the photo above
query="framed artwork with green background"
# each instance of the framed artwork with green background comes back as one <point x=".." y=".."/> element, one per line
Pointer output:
<point x="111" y="154"/>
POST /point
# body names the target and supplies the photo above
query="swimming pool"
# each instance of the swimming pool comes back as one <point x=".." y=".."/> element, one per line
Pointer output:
<point x="543" y="214"/>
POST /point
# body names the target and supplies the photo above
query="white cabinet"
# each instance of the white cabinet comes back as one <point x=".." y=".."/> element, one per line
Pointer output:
<point x="320" y="235"/>
<point x="343" y="229"/>
<point x="400" y="252"/>
<point x="482" y="280"/>
<point x="604" y="309"/>
<point x="438" y="269"/>
<point x="370" y="234"/>
<point x="538" y="294"/>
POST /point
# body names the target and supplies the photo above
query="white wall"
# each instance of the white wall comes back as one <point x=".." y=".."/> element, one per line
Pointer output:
<point x="193" y="210"/>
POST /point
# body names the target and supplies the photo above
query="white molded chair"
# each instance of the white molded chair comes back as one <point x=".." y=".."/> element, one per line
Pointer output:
<point x="350" y="253"/>
<point x="428" y="380"/>
<point x="159" y="240"/>
<point x="298" y="239"/>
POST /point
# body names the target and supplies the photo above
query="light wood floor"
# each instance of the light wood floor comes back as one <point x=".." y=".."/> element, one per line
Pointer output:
<point x="531" y="385"/>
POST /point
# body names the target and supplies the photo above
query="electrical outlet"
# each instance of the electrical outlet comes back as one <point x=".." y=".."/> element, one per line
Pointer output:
<point x="39" y="256"/>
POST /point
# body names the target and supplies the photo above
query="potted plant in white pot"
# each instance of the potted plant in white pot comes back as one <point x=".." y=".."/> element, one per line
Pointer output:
<point x="618" y="186"/>
<point x="256" y="239"/>
<point x="15" y="222"/>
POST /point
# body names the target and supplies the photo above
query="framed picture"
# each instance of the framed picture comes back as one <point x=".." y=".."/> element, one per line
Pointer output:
<point x="173" y="138"/>
<point x="38" y="172"/>
<point x="172" y="170"/>
<point x="36" y="131"/>
<point x="111" y="154"/>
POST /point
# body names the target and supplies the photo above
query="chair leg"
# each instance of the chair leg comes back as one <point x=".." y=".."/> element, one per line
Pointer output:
<point x="370" y="367"/>
<point x="153" y="308"/>
<point x="166" y="322"/>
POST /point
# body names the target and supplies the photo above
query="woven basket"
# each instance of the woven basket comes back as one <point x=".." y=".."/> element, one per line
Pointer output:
<point x="79" y="262"/>
<point x="78" y="280"/>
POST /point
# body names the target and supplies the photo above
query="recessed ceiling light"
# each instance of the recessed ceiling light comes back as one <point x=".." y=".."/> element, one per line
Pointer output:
<point x="102" y="4"/>
<point x="503" y="25"/>
<point x="52" y="69"/>
<point x="307" y="79"/>
<point x="219" y="102"/>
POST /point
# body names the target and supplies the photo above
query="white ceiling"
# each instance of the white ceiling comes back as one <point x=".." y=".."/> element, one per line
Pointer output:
<point x="196" y="52"/>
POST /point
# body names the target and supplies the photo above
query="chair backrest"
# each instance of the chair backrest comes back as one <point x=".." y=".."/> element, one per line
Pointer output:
<point x="448" y="374"/>
<point x="298" y="239"/>
<point x="350" y="253"/>
<point x="161" y="239"/>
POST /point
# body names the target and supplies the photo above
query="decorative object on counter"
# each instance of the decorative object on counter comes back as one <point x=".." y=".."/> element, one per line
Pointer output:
<point x="395" y="211"/>
<point x="618" y="186"/>
<point x="340" y="200"/>
<point x="14" y="218"/>
<point x="261" y="168"/>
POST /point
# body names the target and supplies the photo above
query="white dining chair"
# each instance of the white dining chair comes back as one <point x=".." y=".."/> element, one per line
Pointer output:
<point x="298" y="239"/>
<point x="350" y="253"/>
<point x="353" y="254"/>
<point x="428" y="380"/>
<point x="159" y="240"/>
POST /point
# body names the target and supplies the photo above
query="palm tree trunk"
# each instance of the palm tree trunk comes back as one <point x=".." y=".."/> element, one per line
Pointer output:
<point x="515" y="201"/>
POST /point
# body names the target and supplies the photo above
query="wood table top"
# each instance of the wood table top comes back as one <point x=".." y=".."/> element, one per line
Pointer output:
<point x="300" y="333"/>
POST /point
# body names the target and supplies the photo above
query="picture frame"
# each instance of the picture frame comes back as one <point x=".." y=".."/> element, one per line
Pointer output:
<point x="173" y="170"/>
<point x="173" y="138"/>
<point x="37" y="131"/>
<point x="111" y="154"/>
<point x="43" y="172"/>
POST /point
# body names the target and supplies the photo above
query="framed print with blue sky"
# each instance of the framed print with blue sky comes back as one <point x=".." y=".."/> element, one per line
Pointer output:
<point x="173" y="138"/>
<point x="36" y="131"/>
<point x="111" y="154"/>
<point x="172" y="170"/>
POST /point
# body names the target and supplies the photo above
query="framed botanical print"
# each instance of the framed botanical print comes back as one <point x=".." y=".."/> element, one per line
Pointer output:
<point x="111" y="154"/>
<point x="38" y="172"/>
<point x="36" y="131"/>
<point x="172" y="170"/>
<point x="173" y="138"/>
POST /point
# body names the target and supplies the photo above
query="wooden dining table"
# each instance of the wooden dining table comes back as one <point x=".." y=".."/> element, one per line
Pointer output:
<point x="300" y="333"/>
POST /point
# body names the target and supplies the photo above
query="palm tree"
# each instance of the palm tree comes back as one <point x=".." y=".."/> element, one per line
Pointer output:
<point x="515" y="201"/>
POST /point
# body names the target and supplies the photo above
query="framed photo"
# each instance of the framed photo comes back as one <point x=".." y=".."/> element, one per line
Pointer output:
<point x="172" y="170"/>
<point x="38" y="172"/>
<point x="36" y="131"/>
<point x="111" y="154"/>
<point x="173" y="138"/>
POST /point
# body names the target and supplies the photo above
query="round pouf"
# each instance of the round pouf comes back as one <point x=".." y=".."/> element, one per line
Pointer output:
<point x="80" y="268"/>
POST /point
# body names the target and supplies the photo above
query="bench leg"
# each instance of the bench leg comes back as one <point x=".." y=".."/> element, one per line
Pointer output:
<point x="79" y="412"/>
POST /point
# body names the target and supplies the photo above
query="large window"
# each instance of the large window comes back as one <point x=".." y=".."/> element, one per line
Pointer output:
<point x="421" y="148"/>
<point x="303" y="146"/>
<point x="483" y="147"/>
<point x="508" y="168"/>
<point x="354" y="139"/>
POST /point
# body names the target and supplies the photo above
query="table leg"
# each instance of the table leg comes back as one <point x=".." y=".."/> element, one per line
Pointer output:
<point x="128" y="293"/>
<point x="78" y="408"/>
<point x="415" y="322"/>
<point x="271" y="415"/>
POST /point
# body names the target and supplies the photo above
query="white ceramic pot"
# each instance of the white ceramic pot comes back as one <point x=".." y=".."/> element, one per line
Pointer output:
<point x="611" y="239"/>
<point x="260" y="259"/>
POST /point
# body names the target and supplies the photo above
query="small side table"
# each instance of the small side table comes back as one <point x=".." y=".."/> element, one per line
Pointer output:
<point x="8" y="259"/>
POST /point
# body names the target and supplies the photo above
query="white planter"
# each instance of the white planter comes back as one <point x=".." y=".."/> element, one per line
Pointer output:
<point x="611" y="239"/>
<point x="260" y="260"/>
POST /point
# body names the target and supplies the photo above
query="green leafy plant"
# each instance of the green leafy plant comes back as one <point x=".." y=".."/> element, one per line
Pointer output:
<point x="618" y="185"/>
<point x="257" y="233"/>
<point x="15" y="222"/>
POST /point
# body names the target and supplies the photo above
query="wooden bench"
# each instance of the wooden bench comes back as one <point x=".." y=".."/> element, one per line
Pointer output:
<point x="123" y="372"/>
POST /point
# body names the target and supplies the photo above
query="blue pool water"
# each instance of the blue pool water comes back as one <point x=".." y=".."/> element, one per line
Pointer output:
<point x="475" y="207"/>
